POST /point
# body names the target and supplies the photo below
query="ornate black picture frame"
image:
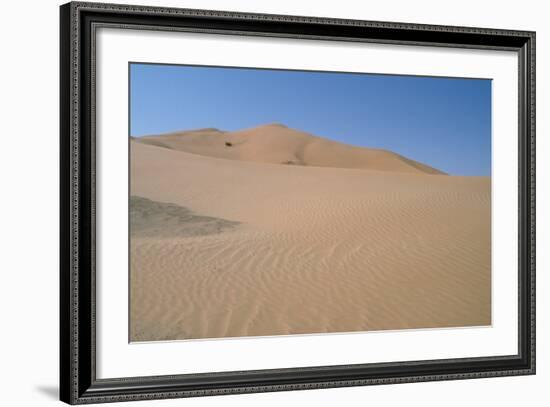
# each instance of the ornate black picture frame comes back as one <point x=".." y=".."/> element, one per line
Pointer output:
<point x="78" y="382"/>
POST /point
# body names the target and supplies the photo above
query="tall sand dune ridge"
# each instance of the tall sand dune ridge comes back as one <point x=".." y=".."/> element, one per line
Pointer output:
<point x="277" y="144"/>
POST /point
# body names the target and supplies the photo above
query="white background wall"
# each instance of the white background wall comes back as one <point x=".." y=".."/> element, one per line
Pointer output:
<point x="29" y="163"/>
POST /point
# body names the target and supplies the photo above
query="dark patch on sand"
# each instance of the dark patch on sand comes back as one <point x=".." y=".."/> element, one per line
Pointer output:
<point x="157" y="219"/>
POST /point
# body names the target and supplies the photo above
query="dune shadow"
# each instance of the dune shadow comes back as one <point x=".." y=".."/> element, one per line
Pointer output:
<point x="150" y="218"/>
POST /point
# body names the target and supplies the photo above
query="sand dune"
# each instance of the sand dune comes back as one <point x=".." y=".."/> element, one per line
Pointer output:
<point x="278" y="144"/>
<point x="306" y="248"/>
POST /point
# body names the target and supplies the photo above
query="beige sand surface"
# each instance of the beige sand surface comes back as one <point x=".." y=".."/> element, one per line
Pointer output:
<point x="228" y="244"/>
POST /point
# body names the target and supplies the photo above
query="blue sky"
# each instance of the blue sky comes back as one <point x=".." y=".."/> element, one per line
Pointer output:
<point x="442" y="122"/>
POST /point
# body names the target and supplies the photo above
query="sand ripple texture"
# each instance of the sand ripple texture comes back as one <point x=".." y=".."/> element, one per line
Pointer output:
<point x="304" y="249"/>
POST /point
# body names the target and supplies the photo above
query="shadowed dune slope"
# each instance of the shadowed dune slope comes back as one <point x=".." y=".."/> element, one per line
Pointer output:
<point x="278" y="144"/>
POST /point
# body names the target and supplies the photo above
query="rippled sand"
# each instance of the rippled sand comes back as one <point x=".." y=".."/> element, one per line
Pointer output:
<point x="225" y="247"/>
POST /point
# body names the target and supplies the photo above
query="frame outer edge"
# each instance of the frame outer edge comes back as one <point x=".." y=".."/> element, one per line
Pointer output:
<point x="72" y="23"/>
<point x="189" y="12"/>
<point x="70" y="372"/>
<point x="64" y="198"/>
<point x="533" y="195"/>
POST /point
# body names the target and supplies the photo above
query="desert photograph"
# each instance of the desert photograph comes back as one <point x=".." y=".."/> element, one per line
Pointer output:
<point x="276" y="202"/>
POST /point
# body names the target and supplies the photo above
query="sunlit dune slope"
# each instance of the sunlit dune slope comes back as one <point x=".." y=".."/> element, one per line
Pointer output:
<point x="232" y="247"/>
<point x="278" y="144"/>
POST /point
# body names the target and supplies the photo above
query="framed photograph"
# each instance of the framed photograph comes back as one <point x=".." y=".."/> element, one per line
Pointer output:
<point x="255" y="203"/>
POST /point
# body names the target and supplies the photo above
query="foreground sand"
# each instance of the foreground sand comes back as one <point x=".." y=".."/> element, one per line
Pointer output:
<point x="225" y="247"/>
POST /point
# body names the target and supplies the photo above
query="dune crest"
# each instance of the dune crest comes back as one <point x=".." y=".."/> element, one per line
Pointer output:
<point x="276" y="143"/>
